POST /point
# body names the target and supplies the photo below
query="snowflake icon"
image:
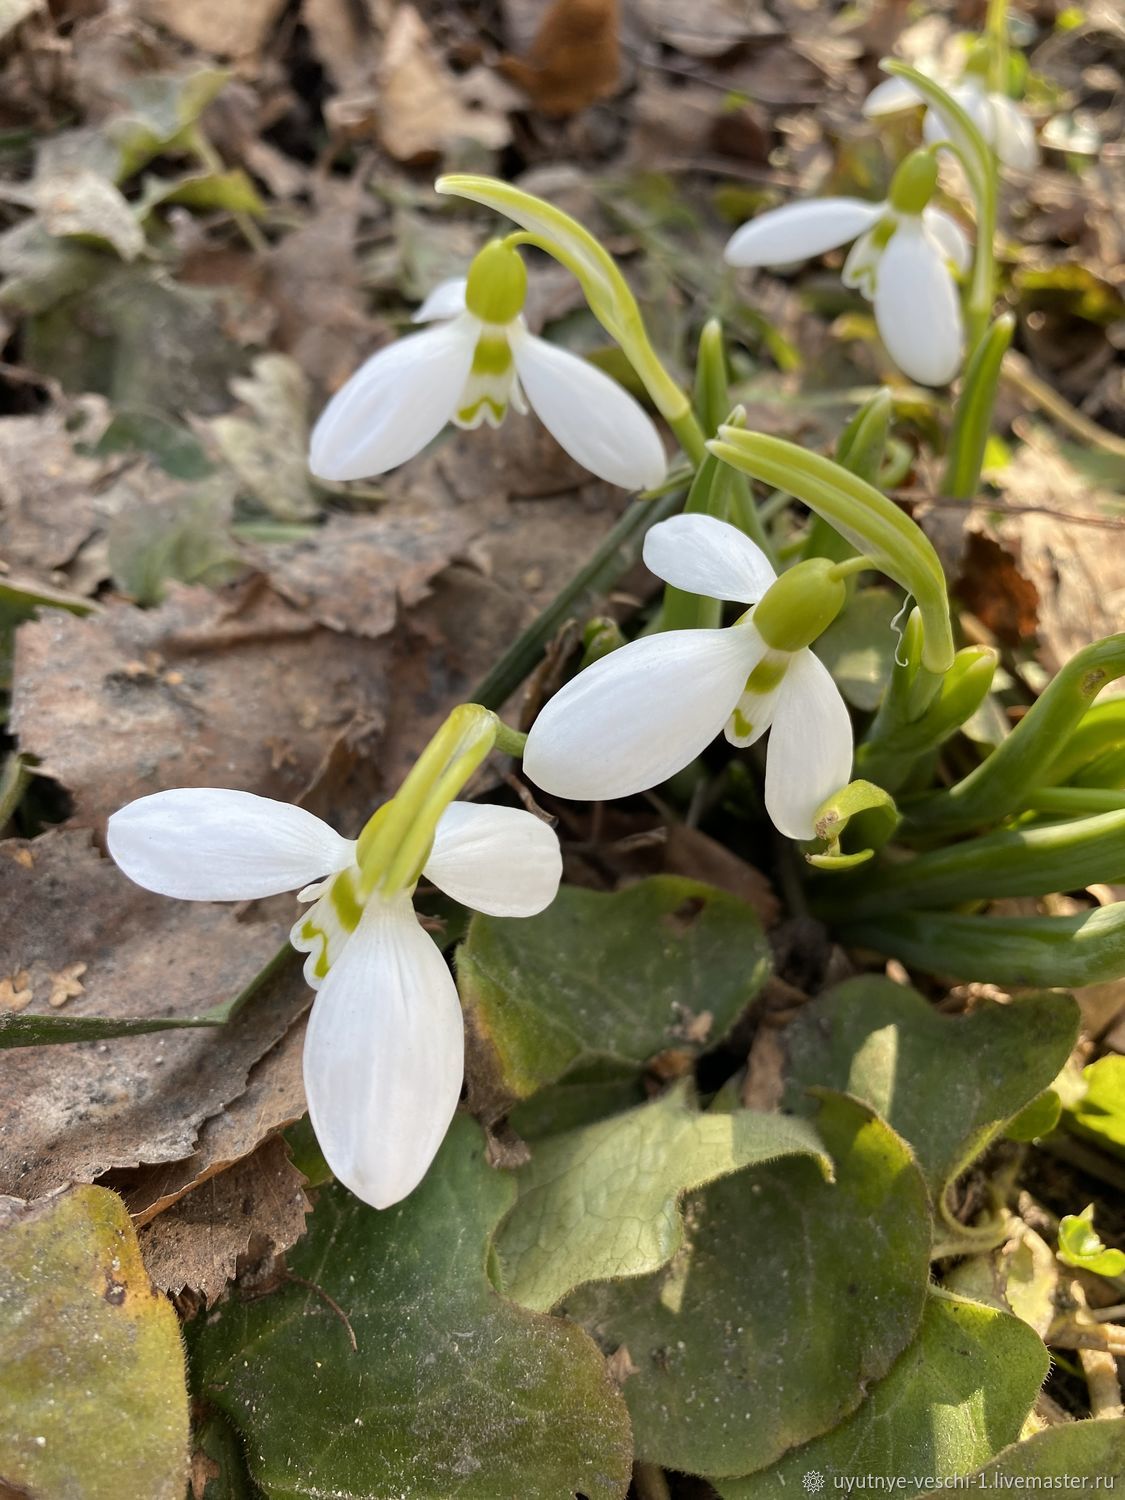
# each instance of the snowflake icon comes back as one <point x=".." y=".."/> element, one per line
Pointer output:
<point x="813" y="1482"/>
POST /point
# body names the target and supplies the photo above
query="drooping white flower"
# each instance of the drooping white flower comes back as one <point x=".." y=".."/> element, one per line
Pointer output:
<point x="477" y="360"/>
<point x="383" y="1058"/>
<point x="645" y="711"/>
<point x="1000" y="120"/>
<point x="903" y="259"/>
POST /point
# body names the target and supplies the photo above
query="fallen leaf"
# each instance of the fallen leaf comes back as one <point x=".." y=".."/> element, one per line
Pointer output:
<point x="274" y="1096"/>
<point x="82" y="204"/>
<point x="93" y="1373"/>
<point x="422" y="109"/>
<point x="216" y="26"/>
<point x="48" y="487"/>
<point x="357" y="571"/>
<point x="574" y="59"/>
<point x="268" y="450"/>
<point x="197" y="1242"/>
<point x="71" y="1113"/>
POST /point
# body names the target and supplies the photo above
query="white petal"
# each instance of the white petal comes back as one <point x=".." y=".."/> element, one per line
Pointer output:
<point x="707" y="556"/>
<point x="591" y="416"/>
<point x="800" y="230"/>
<point x="809" y="755"/>
<point x="917" y="309"/>
<point x="890" y="96"/>
<point x="384" y="1056"/>
<point x="447" y="300"/>
<point x="1014" y="134"/>
<point x="210" y="844"/>
<point x="394" y="404"/>
<point x="861" y="265"/>
<point x="323" y="930"/>
<point x="640" y="714"/>
<point x="949" y="235"/>
<point x="754" y="711"/>
<point x="499" y="860"/>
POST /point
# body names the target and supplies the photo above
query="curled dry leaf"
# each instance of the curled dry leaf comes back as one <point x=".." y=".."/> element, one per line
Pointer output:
<point x="217" y="26"/>
<point x="70" y="1113"/>
<point x="259" y="1202"/>
<point x="422" y="110"/>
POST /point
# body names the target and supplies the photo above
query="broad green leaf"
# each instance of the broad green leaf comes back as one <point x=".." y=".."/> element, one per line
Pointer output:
<point x="957" y="1396"/>
<point x="858" y="648"/>
<point x="1080" y="1245"/>
<point x="947" y="1084"/>
<point x="1100" y="1113"/>
<point x="91" y="1365"/>
<point x="204" y="191"/>
<point x="602" y="1202"/>
<point x="612" y="978"/>
<point x="168" y="442"/>
<point x="1074" y="1451"/>
<point x="790" y="1296"/>
<point x="449" y="1390"/>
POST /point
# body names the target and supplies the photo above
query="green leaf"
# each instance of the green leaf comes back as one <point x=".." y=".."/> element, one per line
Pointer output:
<point x="858" y="648"/>
<point x="23" y="1030"/>
<point x="602" y="1202"/>
<point x="1100" y="1114"/>
<point x="186" y="537"/>
<point x="1080" y="1245"/>
<point x="168" y="442"/>
<point x="789" y="1297"/>
<point x="217" y="1454"/>
<point x="606" y="977"/>
<point x="205" y="191"/>
<point x="80" y="204"/>
<point x="947" y="1084"/>
<point x="1037" y="952"/>
<point x="449" y="1390"/>
<point x="1036" y="1119"/>
<point x="92" y="1375"/>
<point x="1073" y="1451"/>
<point x="957" y="1396"/>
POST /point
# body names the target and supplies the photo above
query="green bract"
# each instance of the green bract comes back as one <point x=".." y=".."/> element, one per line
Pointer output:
<point x="872" y="523"/>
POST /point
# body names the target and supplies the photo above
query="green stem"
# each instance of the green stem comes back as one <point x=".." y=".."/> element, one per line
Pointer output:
<point x="996" y="30"/>
<point x="1075" y="801"/>
<point x="999" y="785"/>
<point x="617" y="553"/>
<point x="972" y="415"/>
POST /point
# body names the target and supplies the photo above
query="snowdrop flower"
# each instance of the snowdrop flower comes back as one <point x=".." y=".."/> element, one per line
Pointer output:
<point x="901" y="261"/>
<point x="383" y="1057"/>
<point x="644" y="712"/>
<point x="475" y="361"/>
<point x="1000" y="120"/>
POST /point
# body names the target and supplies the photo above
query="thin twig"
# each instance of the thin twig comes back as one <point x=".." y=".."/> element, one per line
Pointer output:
<point x="332" y="1303"/>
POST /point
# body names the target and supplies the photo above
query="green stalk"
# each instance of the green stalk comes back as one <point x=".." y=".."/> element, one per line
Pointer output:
<point x="1017" y="862"/>
<point x="1025" y="759"/>
<point x="707" y="497"/>
<point x="980" y="164"/>
<point x="972" y="415"/>
<point x="1040" y="952"/>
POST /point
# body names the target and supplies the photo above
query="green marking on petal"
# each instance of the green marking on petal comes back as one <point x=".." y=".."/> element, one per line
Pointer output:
<point x="469" y="416"/>
<point x="492" y="356"/>
<point x="766" y="675"/>
<point x="344" y="902"/>
<point x="742" y="725"/>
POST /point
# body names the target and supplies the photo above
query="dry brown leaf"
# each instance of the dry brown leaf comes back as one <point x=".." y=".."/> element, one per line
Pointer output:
<point x="690" y="852"/>
<point x="340" y="577"/>
<point x="226" y="29"/>
<point x="47" y="490"/>
<point x="69" y="1113"/>
<point x="198" y="1241"/>
<point x="574" y="60"/>
<point x="314" y="286"/>
<point x="1025" y="569"/>
<point x="422" y="107"/>
<point x="706" y="28"/>
<point x="273" y="1098"/>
